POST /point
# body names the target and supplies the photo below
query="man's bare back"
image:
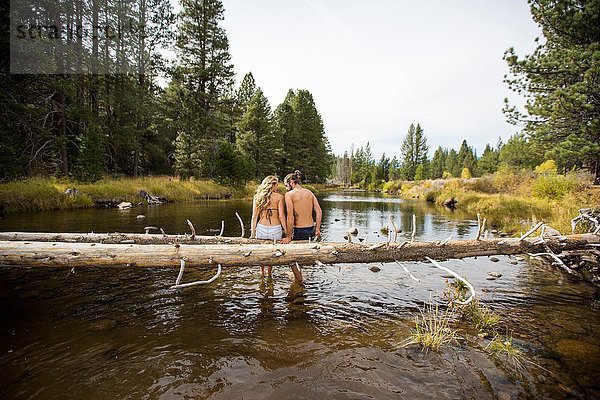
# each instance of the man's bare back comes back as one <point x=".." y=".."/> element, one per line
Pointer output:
<point x="300" y="204"/>
<point x="303" y="201"/>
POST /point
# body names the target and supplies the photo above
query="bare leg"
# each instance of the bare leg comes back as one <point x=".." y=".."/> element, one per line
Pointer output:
<point x="262" y="270"/>
<point x="297" y="273"/>
<point x="270" y="270"/>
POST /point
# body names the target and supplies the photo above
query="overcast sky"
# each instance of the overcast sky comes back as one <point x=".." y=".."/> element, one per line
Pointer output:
<point x="375" y="67"/>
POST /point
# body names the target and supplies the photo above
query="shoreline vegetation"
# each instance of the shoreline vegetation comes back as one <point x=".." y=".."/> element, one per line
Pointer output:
<point x="50" y="193"/>
<point x="510" y="200"/>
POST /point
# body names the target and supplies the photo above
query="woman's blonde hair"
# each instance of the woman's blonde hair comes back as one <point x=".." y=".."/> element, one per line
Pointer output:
<point x="262" y="197"/>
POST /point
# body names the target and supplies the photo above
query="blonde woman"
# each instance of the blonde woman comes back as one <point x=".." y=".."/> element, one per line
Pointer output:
<point x="268" y="218"/>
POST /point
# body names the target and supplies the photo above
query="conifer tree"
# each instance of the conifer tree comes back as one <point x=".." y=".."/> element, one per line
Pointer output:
<point x="561" y="81"/>
<point x="451" y="165"/>
<point x="414" y="152"/>
<point x="284" y="127"/>
<point x="467" y="157"/>
<point x="437" y="162"/>
<point x="246" y="91"/>
<point x="305" y="146"/>
<point x="519" y="152"/>
<point x="256" y="138"/>
<point x="394" y="169"/>
<point x="488" y="163"/>
<point x="206" y="76"/>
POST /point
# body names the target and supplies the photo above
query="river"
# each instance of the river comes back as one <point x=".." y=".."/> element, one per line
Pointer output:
<point x="122" y="333"/>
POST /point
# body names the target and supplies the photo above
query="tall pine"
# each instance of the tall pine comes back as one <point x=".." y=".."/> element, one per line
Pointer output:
<point x="206" y="77"/>
<point x="305" y="145"/>
<point x="561" y="81"/>
<point x="256" y="138"/>
<point x="414" y="152"/>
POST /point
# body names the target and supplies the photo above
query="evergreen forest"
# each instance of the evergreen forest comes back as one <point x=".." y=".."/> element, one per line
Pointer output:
<point x="100" y="109"/>
<point x="119" y="107"/>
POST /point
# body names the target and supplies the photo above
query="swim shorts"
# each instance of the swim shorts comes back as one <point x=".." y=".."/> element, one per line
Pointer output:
<point x="303" y="233"/>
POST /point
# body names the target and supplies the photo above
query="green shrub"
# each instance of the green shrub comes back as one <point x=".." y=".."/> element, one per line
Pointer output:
<point x="547" y="167"/>
<point x="552" y="186"/>
<point x="391" y="186"/>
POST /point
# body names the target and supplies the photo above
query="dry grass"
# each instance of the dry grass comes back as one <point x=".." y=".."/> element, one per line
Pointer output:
<point x="514" y="200"/>
<point x="482" y="318"/>
<point x="504" y="348"/>
<point x="432" y="328"/>
<point x="38" y="194"/>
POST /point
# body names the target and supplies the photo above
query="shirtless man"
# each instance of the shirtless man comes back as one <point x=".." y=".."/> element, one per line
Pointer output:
<point x="300" y="204"/>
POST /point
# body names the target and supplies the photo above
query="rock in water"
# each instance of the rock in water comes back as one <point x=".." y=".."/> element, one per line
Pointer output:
<point x="352" y="231"/>
<point x="375" y="269"/>
<point x="495" y="274"/>
<point x="494" y="259"/>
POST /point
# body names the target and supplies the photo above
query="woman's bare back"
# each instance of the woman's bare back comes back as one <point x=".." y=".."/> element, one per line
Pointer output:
<point x="270" y="216"/>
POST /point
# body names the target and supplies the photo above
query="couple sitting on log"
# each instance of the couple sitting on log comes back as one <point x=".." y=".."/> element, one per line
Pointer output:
<point x="269" y="220"/>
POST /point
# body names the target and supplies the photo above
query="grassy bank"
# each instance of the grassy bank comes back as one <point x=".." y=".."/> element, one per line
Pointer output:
<point x="511" y="200"/>
<point x="39" y="194"/>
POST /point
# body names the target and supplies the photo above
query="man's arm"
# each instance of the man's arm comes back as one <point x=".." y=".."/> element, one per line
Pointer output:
<point x="319" y="216"/>
<point x="289" y="206"/>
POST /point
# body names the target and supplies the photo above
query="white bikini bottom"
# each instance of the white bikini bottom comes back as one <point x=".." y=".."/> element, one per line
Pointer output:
<point x="269" y="232"/>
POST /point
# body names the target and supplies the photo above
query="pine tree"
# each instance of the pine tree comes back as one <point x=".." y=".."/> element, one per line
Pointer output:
<point x="394" y="169"/>
<point x="284" y="127"/>
<point x="383" y="169"/>
<point x="305" y="146"/>
<point x="467" y="157"/>
<point x="451" y="165"/>
<point x="246" y="91"/>
<point x="488" y="163"/>
<point x="437" y="162"/>
<point x="561" y="82"/>
<point x="420" y="173"/>
<point x="414" y="152"/>
<point x="206" y="77"/>
<point x="520" y="153"/>
<point x="256" y="138"/>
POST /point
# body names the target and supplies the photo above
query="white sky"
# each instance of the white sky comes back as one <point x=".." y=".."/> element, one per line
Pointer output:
<point x="375" y="67"/>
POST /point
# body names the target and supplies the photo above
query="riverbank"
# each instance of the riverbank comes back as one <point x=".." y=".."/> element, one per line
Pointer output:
<point x="41" y="194"/>
<point x="510" y="201"/>
<point x="48" y="193"/>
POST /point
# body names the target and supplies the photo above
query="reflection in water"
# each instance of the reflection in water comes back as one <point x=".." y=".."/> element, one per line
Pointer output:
<point x="104" y="333"/>
<point x="370" y="213"/>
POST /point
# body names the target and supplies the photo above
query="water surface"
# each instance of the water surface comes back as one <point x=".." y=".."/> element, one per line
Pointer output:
<point x="122" y="333"/>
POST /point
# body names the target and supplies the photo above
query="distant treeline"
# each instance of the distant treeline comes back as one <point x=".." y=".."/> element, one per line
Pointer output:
<point x="99" y="109"/>
<point x="560" y="82"/>
<point x="358" y="167"/>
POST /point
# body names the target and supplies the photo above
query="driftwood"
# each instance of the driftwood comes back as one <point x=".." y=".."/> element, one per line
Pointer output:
<point x="246" y="252"/>
<point x="122" y="238"/>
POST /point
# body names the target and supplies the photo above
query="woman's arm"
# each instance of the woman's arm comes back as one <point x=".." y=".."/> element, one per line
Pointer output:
<point x="254" y="220"/>
<point x="282" y="218"/>
<point x="289" y="208"/>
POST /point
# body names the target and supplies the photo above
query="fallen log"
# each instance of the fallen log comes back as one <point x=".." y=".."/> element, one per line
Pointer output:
<point x="62" y="254"/>
<point x="122" y="238"/>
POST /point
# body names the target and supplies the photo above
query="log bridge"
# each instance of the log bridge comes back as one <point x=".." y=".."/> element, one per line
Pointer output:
<point x="149" y="250"/>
